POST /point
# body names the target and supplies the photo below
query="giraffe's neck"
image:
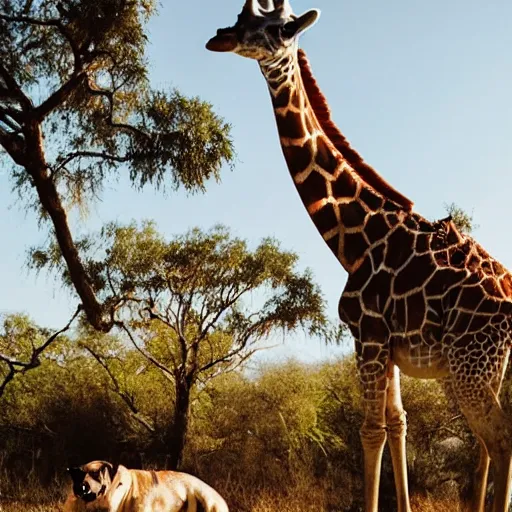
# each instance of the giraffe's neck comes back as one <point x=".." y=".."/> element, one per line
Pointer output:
<point x="340" y="192"/>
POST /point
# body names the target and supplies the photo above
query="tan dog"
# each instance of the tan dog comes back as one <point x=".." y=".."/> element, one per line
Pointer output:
<point x="100" y="486"/>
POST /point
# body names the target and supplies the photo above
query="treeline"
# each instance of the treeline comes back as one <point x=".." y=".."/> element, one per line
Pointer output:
<point x="283" y="432"/>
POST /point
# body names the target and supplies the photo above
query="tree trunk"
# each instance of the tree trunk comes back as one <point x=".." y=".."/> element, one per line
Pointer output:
<point x="52" y="204"/>
<point x="179" y="432"/>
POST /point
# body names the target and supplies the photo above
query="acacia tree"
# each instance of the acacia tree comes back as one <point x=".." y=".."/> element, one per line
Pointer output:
<point x="462" y="219"/>
<point x="196" y="306"/>
<point x="76" y="107"/>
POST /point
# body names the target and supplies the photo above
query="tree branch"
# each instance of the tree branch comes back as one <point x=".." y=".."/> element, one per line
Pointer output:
<point x="169" y="375"/>
<point x="14" y="88"/>
<point x="54" y="336"/>
<point x="109" y="95"/>
<point x="31" y="21"/>
<point x="63" y="92"/>
<point x="89" y="154"/>
<point x="156" y="316"/>
<point x="9" y="108"/>
<point x="54" y="22"/>
<point x="15" y="366"/>
<point x="7" y="119"/>
<point x="261" y="326"/>
<point x="14" y="145"/>
<point x="223" y="359"/>
<point x="134" y="412"/>
<point x="227" y="357"/>
<point x="222" y="309"/>
<point x="10" y="375"/>
<point x="59" y="96"/>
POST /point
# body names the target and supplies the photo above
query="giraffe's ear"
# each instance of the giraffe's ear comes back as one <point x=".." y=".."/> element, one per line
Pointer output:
<point x="303" y="22"/>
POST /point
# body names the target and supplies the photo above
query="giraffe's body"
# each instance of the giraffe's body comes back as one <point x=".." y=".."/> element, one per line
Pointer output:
<point x="420" y="296"/>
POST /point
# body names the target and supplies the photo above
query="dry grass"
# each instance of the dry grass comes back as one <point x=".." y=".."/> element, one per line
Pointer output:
<point x="29" y="496"/>
<point x="418" y="505"/>
<point x="23" y="507"/>
<point x="431" y="505"/>
<point x="261" y="505"/>
<point x="267" y="502"/>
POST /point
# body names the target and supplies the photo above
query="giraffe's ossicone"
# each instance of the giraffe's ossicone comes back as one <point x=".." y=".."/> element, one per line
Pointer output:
<point x="420" y="296"/>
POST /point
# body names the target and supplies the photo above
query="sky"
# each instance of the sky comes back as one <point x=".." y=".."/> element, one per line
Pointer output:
<point x="421" y="89"/>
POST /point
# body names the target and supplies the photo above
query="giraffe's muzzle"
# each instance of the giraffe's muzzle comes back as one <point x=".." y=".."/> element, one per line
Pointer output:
<point x="225" y="41"/>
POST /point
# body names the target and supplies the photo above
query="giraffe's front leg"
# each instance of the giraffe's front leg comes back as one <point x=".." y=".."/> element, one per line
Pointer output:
<point x="373" y="375"/>
<point x="397" y="429"/>
<point x="480" y="479"/>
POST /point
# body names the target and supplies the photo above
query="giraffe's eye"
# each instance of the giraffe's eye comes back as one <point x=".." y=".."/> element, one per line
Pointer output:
<point x="274" y="30"/>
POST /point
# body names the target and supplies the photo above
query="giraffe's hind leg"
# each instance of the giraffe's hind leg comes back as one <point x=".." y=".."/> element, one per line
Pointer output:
<point x="482" y="470"/>
<point x="493" y="427"/>
<point x="480" y="479"/>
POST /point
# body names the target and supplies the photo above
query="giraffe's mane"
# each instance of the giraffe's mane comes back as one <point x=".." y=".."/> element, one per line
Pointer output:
<point x="323" y="114"/>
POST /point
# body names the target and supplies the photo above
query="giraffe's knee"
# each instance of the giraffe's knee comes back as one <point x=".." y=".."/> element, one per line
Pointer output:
<point x="491" y="425"/>
<point x="373" y="436"/>
<point x="499" y="443"/>
<point x="396" y="421"/>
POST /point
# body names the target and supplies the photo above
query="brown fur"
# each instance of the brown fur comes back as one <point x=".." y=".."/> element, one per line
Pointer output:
<point x="323" y="115"/>
<point x="144" y="491"/>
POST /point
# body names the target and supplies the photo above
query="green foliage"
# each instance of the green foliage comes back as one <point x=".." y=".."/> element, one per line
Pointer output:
<point x="109" y="28"/>
<point x="286" y="433"/>
<point x="133" y="379"/>
<point x="463" y="220"/>
<point x="272" y="417"/>
<point x="200" y="279"/>
<point x="19" y="335"/>
<point x="21" y="345"/>
<point x="99" y="111"/>
<point x="71" y="408"/>
<point x="76" y="109"/>
<point x="194" y="307"/>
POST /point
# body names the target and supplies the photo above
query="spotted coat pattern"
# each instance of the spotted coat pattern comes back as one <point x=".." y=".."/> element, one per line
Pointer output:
<point x="416" y="288"/>
<point x="420" y="295"/>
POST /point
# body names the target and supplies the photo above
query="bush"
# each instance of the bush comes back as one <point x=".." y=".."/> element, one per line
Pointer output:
<point x="285" y="437"/>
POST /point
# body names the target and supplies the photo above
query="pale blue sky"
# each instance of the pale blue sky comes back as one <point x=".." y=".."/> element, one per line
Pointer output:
<point x="421" y="89"/>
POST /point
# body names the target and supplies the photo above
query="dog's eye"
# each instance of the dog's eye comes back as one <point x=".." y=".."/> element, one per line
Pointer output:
<point x="95" y="475"/>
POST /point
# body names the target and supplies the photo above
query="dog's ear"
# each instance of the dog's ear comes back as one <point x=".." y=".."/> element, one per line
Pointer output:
<point x="113" y="471"/>
<point x="111" y="468"/>
<point x="76" y="474"/>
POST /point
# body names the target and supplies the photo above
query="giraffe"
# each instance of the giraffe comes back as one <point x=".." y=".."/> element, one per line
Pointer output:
<point x="421" y="297"/>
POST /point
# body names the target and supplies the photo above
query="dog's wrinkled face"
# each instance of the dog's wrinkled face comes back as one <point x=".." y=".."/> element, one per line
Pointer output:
<point x="92" y="480"/>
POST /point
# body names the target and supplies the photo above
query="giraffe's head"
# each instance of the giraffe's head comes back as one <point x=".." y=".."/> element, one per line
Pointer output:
<point x="265" y="29"/>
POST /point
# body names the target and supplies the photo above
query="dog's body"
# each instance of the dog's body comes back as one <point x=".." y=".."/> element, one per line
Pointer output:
<point x="99" y="486"/>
